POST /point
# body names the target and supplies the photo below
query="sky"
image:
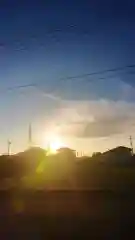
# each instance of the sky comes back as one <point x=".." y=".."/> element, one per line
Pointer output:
<point x="44" y="44"/>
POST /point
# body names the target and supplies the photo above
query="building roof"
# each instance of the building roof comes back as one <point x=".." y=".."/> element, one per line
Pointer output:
<point x="118" y="149"/>
<point x="65" y="149"/>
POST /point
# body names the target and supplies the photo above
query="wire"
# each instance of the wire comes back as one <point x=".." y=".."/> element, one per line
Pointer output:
<point x="18" y="87"/>
<point x="99" y="72"/>
<point x="39" y="85"/>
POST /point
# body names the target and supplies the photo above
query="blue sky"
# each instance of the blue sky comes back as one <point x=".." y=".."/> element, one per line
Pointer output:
<point x="46" y="42"/>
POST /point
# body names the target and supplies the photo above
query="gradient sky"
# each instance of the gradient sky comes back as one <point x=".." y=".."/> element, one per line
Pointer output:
<point x="44" y="43"/>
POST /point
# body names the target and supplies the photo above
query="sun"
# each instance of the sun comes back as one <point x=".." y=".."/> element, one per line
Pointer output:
<point x="53" y="143"/>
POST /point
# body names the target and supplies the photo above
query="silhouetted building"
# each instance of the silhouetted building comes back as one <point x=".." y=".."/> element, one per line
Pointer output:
<point x="118" y="155"/>
<point x="66" y="152"/>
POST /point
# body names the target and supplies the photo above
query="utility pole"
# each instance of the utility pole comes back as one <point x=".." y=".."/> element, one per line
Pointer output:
<point x="30" y="135"/>
<point x="131" y="145"/>
<point x="9" y="147"/>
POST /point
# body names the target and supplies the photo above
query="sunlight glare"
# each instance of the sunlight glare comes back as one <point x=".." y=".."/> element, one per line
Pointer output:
<point x="53" y="143"/>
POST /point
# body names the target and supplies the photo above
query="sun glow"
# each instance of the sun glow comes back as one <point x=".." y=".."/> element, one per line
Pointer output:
<point x="53" y="143"/>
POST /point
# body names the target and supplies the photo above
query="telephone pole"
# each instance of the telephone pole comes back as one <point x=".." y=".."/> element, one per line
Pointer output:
<point x="131" y="145"/>
<point x="30" y="135"/>
<point x="9" y="147"/>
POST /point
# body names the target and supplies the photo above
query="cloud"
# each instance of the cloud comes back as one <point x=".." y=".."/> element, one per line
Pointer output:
<point x="114" y="87"/>
<point x="128" y="91"/>
<point x="47" y="95"/>
<point x="99" y="118"/>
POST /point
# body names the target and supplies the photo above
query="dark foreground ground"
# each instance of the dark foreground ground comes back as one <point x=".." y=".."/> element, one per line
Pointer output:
<point x="67" y="215"/>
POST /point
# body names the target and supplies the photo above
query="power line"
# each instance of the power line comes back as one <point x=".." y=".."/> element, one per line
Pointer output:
<point x="38" y="85"/>
<point x="18" y="87"/>
<point x="99" y="72"/>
